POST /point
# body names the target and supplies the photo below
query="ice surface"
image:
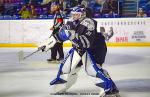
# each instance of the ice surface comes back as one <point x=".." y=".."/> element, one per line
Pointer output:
<point x="128" y="66"/>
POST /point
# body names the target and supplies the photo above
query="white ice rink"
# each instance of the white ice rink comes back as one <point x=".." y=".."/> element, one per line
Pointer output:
<point x="128" y="66"/>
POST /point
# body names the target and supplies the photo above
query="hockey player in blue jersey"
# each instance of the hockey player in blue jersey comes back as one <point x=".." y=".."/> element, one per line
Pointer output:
<point x="88" y="50"/>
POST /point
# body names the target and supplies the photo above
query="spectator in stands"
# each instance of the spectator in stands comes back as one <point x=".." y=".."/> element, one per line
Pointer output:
<point x="33" y="12"/>
<point x="65" y="6"/>
<point x="73" y="3"/>
<point x="1" y="2"/>
<point x="89" y="12"/>
<point x="35" y="2"/>
<point x="62" y="4"/>
<point x="100" y="2"/>
<point x="85" y="3"/>
<point x="106" y="7"/>
<point x="24" y="12"/>
<point x="26" y="1"/>
<point x="96" y="10"/>
<point x="46" y="8"/>
<point x="43" y="2"/>
<point x="114" y="6"/>
<point x="70" y="4"/>
<point x="109" y="7"/>
<point x="1" y="8"/>
<point x="9" y="8"/>
<point x="141" y="13"/>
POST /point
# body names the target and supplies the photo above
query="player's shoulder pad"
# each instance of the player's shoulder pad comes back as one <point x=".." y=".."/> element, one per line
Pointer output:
<point x="89" y="23"/>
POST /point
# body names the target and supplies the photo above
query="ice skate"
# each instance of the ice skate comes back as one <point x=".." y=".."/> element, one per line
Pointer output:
<point x="51" y="60"/>
<point x="58" y="85"/>
<point x="111" y="95"/>
<point x="113" y="92"/>
<point x="61" y="86"/>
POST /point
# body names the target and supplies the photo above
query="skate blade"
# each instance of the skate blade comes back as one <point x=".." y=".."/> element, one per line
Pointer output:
<point x="113" y="95"/>
<point x="102" y="92"/>
<point x="59" y="88"/>
<point x="55" y="62"/>
<point x="118" y="95"/>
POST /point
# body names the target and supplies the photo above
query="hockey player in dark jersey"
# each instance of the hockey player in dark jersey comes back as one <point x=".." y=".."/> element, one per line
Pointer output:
<point x="89" y="49"/>
<point x="58" y="22"/>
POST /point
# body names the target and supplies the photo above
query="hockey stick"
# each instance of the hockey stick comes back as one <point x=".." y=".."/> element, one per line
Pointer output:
<point x="21" y="53"/>
<point x="49" y="44"/>
<point x="22" y="57"/>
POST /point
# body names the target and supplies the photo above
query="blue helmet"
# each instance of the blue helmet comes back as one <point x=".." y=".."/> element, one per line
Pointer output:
<point x="78" y="9"/>
<point x="78" y="13"/>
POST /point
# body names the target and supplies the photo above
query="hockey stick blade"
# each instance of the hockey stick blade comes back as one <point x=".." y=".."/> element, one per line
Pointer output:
<point x="20" y="55"/>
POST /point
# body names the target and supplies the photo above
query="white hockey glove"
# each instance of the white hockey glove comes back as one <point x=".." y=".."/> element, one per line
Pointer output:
<point x="110" y="33"/>
<point x="47" y="44"/>
<point x="107" y="35"/>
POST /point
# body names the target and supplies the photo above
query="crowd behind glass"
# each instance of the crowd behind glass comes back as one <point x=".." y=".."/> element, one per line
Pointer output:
<point x="40" y="9"/>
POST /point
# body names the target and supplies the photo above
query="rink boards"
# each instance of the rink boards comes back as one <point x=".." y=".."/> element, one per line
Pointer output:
<point x="27" y="33"/>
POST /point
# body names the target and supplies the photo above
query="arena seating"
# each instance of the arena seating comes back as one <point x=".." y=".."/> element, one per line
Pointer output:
<point x="42" y="11"/>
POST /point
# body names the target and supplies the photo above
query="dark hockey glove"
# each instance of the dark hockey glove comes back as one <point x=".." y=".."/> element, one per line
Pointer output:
<point x="42" y="48"/>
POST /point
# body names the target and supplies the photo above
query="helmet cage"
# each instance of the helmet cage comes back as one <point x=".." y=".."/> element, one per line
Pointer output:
<point x="77" y="13"/>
